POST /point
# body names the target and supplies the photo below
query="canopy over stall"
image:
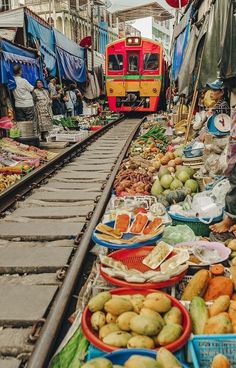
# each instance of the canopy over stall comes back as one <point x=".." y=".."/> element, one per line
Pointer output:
<point x="10" y="55"/>
<point x="70" y="58"/>
<point x="213" y="37"/>
<point x="152" y="9"/>
<point x="43" y="36"/>
<point x="181" y="36"/>
<point x="219" y="58"/>
<point x="10" y="22"/>
<point x="53" y="45"/>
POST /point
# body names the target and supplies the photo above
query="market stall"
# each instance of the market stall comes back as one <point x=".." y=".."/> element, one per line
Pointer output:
<point x="161" y="287"/>
<point x="17" y="160"/>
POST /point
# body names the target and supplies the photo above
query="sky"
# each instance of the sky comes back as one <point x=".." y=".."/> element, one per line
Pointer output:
<point x="124" y="4"/>
<point x="140" y="24"/>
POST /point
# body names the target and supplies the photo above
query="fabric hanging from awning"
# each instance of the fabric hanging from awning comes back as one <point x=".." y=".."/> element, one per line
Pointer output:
<point x="70" y="58"/>
<point x="179" y="50"/>
<point x="11" y="55"/>
<point x="219" y="58"/>
<point x="45" y="36"/>
<point x="186" y="74"/>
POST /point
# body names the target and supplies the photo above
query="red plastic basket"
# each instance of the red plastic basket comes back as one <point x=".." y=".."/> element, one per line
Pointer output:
<point x="133" y="258"/>
<point x="95" y="127"/>
<point x="92" y="335"/>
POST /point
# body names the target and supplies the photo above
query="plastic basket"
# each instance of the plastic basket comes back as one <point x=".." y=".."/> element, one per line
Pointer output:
<point x="92" y="335"/>
<point x="121" y="356"/>
<point x="133" y="258"/>
<point x="199" y="228"/>
<point x="203" y="349"/>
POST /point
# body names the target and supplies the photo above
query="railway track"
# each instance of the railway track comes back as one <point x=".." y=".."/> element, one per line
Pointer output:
<point x="46" y="235"/>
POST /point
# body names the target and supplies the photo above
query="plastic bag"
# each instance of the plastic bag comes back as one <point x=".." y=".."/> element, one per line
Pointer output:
<point x="178" y="234"/>
<point x="220" y="190"/>
<point x="205" y="206"/>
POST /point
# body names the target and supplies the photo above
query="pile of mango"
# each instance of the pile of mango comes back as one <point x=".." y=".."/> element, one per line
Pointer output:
<point x="135" y="321"/>
<point x="164" y="359"/>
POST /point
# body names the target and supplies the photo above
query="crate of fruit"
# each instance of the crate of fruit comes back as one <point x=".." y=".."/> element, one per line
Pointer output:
<point x="205" y="350"/>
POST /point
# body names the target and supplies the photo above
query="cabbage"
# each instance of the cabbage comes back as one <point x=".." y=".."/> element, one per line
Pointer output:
<point x="166" y="181"/>
<point x="183" y="176"/>
<point x="190" y="171"/>
<point x="192" y="185"/>
<point x="156" y="188"/>
<point x="178" y="234"/>
<point x="163" y="171"/>
<point x="176" y="184"/>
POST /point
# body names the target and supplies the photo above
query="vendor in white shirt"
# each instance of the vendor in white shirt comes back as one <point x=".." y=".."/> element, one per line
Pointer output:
<point x="24" y="104"/>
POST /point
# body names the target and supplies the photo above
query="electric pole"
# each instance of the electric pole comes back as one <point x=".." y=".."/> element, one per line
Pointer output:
<point x="92" y="32"/>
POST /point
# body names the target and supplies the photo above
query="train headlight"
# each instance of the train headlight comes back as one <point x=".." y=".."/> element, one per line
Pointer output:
<point x="133" y="41"/>
<point x="147" y="100"/>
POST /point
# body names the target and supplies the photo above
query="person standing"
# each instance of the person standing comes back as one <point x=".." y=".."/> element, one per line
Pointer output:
<point x="43" y="109"/>
<point x="24" y="104"/>
<point x="55" y="93"/>
<point x="70" y="99"/>
<point x="79" y="102"/>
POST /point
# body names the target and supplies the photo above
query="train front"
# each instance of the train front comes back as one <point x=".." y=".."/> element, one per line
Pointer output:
<point x="134" y="72"/>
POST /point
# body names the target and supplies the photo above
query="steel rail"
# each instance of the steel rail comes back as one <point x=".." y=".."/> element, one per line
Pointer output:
<point x="17" y="191"/>
<point x="42" y="353"/>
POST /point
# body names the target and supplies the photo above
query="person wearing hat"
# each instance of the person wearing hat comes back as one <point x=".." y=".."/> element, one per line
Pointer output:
<point x="217" y="94"/>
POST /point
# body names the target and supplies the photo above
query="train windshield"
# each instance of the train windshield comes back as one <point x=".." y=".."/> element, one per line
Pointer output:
<point x="115" y="62"/>
<point x="151" y="61"/>
<point x="133" y="63"/>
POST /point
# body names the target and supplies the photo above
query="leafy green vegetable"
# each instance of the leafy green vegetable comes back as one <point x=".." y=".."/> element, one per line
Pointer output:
<point x="65" y="122"/>
<point x="73" y="354"/>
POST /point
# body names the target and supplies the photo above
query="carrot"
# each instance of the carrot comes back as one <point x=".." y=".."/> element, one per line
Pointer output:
<point x="217" y="269"/>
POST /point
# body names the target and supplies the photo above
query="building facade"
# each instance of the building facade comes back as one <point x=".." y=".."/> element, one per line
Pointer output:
<point x="160" y="31"/>
<point x="74" y="18"/>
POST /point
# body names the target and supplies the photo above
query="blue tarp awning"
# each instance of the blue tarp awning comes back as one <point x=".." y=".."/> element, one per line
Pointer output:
<point x="179" y="50"/>
<point x="70" y="57"/>
<point x="45" y="36"/>
<point x="181" y="34"/>
<point x="11" y="55"/>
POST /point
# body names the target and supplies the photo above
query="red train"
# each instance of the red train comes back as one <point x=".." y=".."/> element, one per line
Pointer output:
<point x="135" y="75"/>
